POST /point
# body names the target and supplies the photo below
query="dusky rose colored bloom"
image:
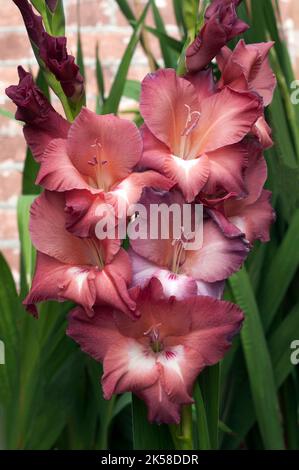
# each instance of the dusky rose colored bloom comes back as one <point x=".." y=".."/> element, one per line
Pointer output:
<point x="263" y="132"/>
<point x="94" y="165"/>
<point x="33" y="22"/>
<point x="192" y="141"/>
<point x="53" y="52"/>
<point x="251" y="215"/>
<point x="247" y="68"/>
<point x="42" y="122"/>
<point x="203" y="82"/>
<point x="87" y="271"/>
<point x="158" y="356"/>
<point x="183" y="269"/>
<point x="221" y="25"/>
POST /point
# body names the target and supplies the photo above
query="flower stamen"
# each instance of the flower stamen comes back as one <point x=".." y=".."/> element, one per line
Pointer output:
<point x="97" y="161"/>
<point x="191" y="123"/>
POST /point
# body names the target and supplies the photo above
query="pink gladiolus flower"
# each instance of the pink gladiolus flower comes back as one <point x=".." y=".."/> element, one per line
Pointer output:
<point x="182" y="270"/>
<point x="96" y="159"/>
<point x="247" y="68"/>
<point x="263" y="132"/>
<point x="42" y="122"/>
<point x="221" y="25"/>
<point x="252" y="215"/>
<point x="86" y="271"/>
<point x="194" y="141"/>
<point x="158" y="356"/>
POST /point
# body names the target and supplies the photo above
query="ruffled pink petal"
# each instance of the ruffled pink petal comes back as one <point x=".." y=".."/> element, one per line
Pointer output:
<point x="224" y="120"/>
<point x="39" y="137"/>
<point x="227" y="167"/>
<point x="214" y="324"/>
<point x="203" y="82"/>
<point x="153" y="246"/>
<point x="214" y="289"/>
<point x="255" y="178"/>
<point x="57" y="172"/>
<point x="112" y="284"/>
<point x="263" y="80"/>
<point x="255" y="219"/>
<point x="164" y="103"/>
<point x="173" y="285"/>
<point x="94" y="335"/>
<point x="104" y="144"/>
<point x="227" y="227"/>
<point x="223" y="57"/>
<point x="233" y="73"/>
<point x="247" y="69"/>
<point x="128" y="368"/>
<point x="154" y="151"/>
<point x="128" y="192"/>
<point x="54" y="280"/>
<point x="218" y="258"/>
<point x="263" y="132"/>
<point x="83" y="210"/>
<point x="190" y="175"/>
<point x="160" y="408"/>
<point x="49" y="235"/>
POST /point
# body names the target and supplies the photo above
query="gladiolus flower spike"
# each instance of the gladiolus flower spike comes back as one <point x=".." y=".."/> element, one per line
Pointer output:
<point x="153" y="315"/>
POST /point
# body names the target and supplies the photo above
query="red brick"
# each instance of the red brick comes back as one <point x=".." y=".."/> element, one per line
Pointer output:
<point x="14" y="46"/>
<point x="12" y="148"/>
<point x="9" y="229"/>
<point x="92" y="12"/>
<point x="10" y="184"/>
<point x="10" y="15"/>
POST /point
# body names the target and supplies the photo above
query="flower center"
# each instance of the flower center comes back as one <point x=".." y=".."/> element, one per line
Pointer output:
<point x="99" y="166"/>
<point x="153" y="334"/>
<point x="178" y="253"/>
<point x="97" y="253"/>
<point x="191" y="123"/>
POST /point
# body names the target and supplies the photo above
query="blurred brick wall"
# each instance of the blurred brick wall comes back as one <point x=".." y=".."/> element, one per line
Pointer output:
<point x="101" y="21"/>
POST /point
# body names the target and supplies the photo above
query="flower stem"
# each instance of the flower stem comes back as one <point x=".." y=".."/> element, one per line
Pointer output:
<point x="182" y="433"/>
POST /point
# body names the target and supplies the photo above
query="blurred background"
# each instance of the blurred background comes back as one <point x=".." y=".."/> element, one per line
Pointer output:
<point x="100" y="21"/>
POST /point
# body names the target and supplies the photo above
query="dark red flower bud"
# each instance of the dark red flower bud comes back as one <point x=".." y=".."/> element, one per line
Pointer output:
<point x="213" y="8"/>
<point x="54" y="53"/>
<point x="221" y="25"/>
<point x="42" y="122"/>
<point x="51" y="4"/>
<point x="33" y="22"/>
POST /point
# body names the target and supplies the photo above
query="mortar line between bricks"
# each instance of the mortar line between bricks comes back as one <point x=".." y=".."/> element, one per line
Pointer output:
<point x="8" y="206"/>
<point x="8" y="166"/>
<point x="9" y="244"/>
<point x="88" y="61"/>
<point x="72" y="29"/>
